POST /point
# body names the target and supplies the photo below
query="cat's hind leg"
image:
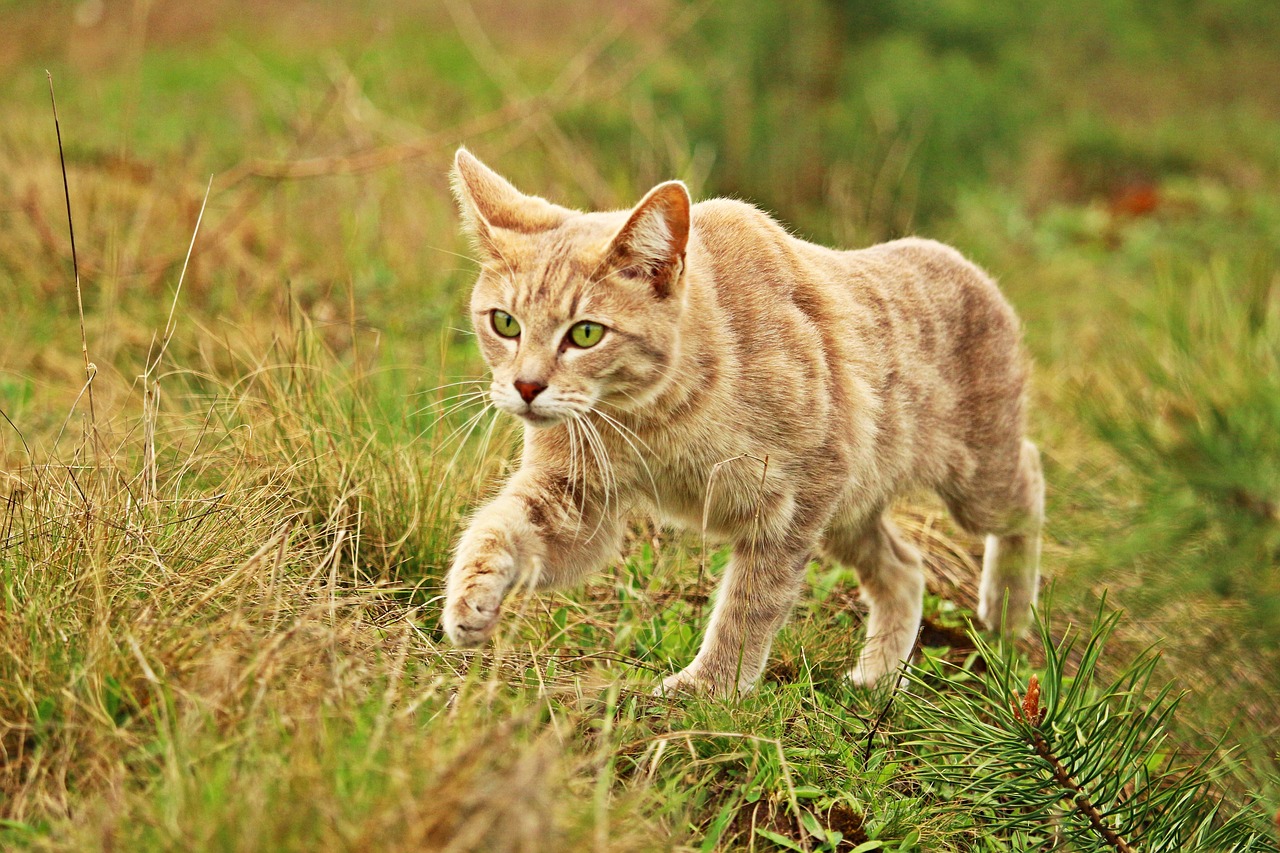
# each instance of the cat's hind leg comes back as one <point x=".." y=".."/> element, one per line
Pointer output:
<point x="1010" y="510"/>
<point x="891" y="578"/>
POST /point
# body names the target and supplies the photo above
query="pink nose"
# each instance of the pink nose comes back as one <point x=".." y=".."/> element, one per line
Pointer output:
<point x="529" y="390"/>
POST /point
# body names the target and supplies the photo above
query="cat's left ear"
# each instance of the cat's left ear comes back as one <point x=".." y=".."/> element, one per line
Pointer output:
<point x="491" y="207"/>
<point x="652" y="243"/>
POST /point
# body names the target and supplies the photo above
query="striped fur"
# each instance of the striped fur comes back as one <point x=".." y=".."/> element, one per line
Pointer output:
<point x="772" y="392"/>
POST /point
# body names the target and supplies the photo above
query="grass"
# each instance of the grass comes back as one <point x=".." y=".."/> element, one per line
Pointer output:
<point x="219" y="592"/>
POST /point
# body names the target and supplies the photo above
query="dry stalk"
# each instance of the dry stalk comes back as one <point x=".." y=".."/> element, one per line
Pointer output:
<point x="706" y="517"/>
<point x="90" y="369"/>
<point x="150" y="386"/>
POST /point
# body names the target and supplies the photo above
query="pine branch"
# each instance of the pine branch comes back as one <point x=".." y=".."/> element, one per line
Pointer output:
<point x="1010" y="762"/>
<point x="1028" y="710"/>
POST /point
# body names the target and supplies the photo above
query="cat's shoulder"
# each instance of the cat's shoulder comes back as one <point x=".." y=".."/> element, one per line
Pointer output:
<point x="730" y="212"/>
<point x="728" y="219"/>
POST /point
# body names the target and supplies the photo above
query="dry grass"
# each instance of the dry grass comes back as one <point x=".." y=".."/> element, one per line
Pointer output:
<point x="254" y="631"/>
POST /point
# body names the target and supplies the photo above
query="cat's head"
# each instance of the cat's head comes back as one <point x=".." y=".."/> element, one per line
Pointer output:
<point x="573" y="310"/>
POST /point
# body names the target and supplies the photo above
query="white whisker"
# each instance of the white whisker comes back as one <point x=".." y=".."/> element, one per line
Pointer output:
<point x="471" y="428"/>
<point x="451" y="401"/>
<point x="608" y="477"/>
<point x="574" y="472"/>
<point x="488" y="436"/>
<point x="466" y="429"/>
<point x="447" y="385"/>
<point x="622" y="430"/>
<point x="470" y="400"/>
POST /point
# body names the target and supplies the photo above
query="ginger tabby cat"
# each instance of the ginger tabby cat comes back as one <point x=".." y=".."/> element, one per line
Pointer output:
<point x="646" y="349"/>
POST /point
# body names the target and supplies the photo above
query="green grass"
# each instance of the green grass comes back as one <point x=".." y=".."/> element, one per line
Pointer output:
<point x="218" y="613"/>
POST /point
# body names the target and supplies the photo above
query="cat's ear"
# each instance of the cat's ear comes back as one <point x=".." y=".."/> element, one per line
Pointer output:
<point x="490" y="205"/>
<point x="652" y="243"/>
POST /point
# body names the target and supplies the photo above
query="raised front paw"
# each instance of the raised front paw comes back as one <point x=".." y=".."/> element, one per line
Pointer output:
<point x="474" y="601"/>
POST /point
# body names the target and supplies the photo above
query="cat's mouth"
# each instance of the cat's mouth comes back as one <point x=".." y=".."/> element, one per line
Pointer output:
<point x="541" y="418"/>
<point x="538" y="420"/>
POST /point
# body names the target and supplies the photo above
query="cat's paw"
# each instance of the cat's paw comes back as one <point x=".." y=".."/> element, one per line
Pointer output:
<point x="474" y="604"/>
<point x="695" y="681"/>
<point x="863" y="675"/>
<point x="682" y="682"/>
<point x="876" y="677"/>
<point x="1007" y="592"/>
<point x="879" y="666"/>
<point x="469" y="622"/>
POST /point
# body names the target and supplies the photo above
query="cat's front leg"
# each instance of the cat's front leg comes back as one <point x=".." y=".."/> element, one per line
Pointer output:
<point x="538" y="531"/>
<point x="484" y="570"/>
<point x="759" y="589"/>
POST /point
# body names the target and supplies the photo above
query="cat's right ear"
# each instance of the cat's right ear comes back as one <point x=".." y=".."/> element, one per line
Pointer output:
<point x="653" y="242"/>
<point x="490" y="205"/>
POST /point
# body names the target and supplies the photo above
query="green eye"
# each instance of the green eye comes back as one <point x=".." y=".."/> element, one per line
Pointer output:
<point x="505" y="325"/>
<point x="586" y="334"/>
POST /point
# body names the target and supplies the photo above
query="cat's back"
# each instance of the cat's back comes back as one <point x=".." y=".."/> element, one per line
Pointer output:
<point x="936" y="295"/>
<point x="750" y="249"/>
<point x="912" y="300"/>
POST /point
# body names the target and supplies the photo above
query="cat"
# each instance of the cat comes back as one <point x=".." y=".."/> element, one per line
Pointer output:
<point x="701" y="363"/>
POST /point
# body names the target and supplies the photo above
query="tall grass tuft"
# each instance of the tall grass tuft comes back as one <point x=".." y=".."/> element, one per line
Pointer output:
<point x="233" y="571"/>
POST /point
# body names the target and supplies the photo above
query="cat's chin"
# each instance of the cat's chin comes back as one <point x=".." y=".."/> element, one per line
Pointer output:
<point x="539" y="421"/>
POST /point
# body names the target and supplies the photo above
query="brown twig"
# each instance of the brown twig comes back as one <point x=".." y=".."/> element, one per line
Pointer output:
<point x="491" y="59"/>
<point x="30" y="456"/>
<point x="514" y="111"/>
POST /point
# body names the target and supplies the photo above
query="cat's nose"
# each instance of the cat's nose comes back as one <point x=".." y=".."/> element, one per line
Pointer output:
<point x="529" y="390"/>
